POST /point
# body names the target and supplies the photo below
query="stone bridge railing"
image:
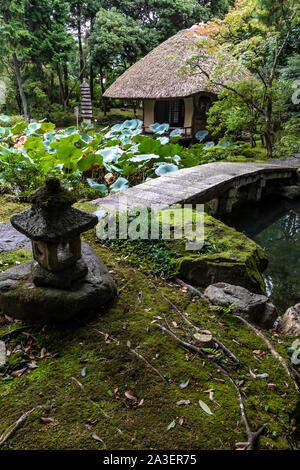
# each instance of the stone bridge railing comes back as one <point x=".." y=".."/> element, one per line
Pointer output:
<point x="218" y="182"/>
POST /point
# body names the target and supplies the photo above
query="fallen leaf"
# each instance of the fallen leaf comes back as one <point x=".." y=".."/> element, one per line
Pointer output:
<point x="272" y="386"/>
<point x="171" y="425"/>
<point x="106" y="338"/>
<point x="241" y="445"/>
<point x="96" y="437"/>
<point x="184" y="384"/>
<point x="183" y="402"/>
<point x="181" y="420"/>
<point x="42" y="353"/>
<point x="18" y="373"/>
<point x="259" y="352"/>
<point x="130" y="396"/>
<point x="141" y="402"/>
<point x="205" y="407"/>
<point x="221" y="381"/>
<point x="47" y="420"/>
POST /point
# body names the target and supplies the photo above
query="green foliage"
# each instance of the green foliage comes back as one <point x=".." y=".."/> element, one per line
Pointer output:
<point x="150" y="255"/>
<point x="290" y="141"/>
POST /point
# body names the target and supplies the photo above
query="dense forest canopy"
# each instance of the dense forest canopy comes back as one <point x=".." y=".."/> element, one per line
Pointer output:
<point x="47" y="46"/>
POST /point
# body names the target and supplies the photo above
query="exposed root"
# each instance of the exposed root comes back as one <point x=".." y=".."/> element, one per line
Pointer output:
<point x="19" y="423"/>
<point x="186" y="345"/>
<point x="191" y="288"/>
<point x="221" y="345"/>
<point x="251" y="436"/>
<point x="274" y="353"/>
<point x="13" y="333"/>
<point x="148" y="364"/>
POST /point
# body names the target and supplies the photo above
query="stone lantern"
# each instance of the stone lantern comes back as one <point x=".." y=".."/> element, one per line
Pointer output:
<point x="54" y="228"/>
<point x="67" y="276"/>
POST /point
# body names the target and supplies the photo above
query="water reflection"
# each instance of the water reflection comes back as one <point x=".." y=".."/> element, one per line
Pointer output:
<point x="275" y="225"/>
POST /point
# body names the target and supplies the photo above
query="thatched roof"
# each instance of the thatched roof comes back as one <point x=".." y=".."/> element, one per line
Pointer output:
<point x="157" y="75"/>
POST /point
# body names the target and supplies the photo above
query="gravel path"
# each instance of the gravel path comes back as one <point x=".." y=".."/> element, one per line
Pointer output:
<point x="10" y="239"/>
<point x="292" y="161"/>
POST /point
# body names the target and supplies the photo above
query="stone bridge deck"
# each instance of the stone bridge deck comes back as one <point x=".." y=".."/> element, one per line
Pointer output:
<point x="214" y="181"/>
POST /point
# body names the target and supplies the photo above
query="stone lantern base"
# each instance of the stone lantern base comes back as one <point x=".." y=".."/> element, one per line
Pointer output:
<point x="21" y="299"/>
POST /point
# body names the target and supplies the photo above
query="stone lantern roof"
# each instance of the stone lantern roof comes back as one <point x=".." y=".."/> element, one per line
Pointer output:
<point x="51" y="217"/>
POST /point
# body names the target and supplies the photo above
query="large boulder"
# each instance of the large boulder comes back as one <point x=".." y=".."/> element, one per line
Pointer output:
<point x="290" y="324"/>
<point x="253" y="307"/>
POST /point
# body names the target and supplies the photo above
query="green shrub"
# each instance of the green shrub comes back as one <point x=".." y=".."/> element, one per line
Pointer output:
<point x="13" y="120"/>
<point x="290" y="142"/>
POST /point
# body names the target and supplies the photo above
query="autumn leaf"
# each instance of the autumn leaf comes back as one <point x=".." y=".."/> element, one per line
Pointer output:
<point x="130" y="396"/>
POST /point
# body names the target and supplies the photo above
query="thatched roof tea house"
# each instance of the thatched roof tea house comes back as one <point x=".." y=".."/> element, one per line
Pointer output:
<point x="167" y="95"/>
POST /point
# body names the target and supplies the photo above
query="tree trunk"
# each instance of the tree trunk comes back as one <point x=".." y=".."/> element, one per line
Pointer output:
<point x="269" y="132"/>
<point x="52" y="97"/>
<point x="92" y="81"/>
<point x="20" y="86"/>
<point x="269" y="144"/>
<point x="103" y="102"/>
<point x="61" y="85"/>
<point x="92" y="20"/>
<point x="66" y="88"/>
<point x="79" y="32"/>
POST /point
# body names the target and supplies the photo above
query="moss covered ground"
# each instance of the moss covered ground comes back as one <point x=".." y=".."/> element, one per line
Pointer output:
<point x="79" y="372"/>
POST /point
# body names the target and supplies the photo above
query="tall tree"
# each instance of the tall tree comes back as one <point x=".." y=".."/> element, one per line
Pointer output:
<point x="255" y="33"/>
<point x="12" y="38"/>
<point x="116" y="41"/>
<point x="50" y="42"/>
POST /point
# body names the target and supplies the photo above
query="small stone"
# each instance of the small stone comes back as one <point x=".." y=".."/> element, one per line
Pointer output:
<point x="2" y="354"/>
<point x="290" y="324"/>
<point x="253" y="307"/>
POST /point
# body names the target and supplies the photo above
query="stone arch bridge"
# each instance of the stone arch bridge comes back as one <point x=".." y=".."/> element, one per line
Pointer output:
<point x="220" y="182"/>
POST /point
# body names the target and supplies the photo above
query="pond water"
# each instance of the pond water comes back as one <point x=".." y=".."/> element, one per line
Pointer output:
<point x="275" y="225"/>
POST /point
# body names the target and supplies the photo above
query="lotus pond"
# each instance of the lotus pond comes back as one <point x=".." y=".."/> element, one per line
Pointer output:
<point x="275" y="225"/>
<point x="105" y="161"/>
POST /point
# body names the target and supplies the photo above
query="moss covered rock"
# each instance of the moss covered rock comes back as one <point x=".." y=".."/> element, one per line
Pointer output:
<point x="226" y="256"/>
